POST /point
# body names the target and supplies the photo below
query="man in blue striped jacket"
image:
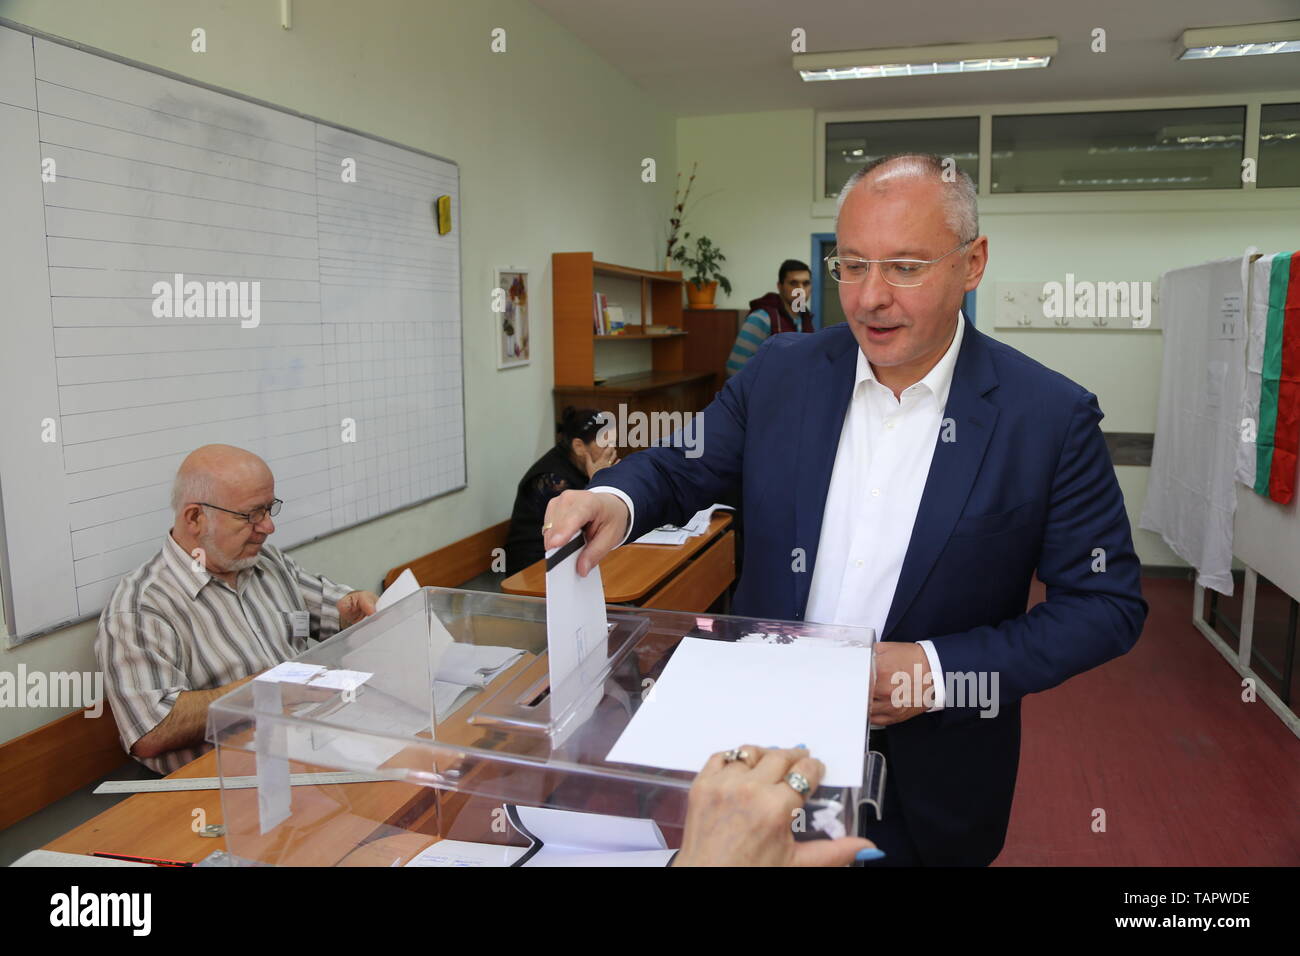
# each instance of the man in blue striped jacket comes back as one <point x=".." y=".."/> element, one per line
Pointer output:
<point x="775" y="312"/>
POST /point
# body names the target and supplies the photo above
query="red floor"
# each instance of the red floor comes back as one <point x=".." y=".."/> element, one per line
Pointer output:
<point x="1186" y="772"/>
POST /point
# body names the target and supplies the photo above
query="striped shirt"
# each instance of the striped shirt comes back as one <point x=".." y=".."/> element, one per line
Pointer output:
<point x="753" y="333"/>
<point x="169" y="628"/>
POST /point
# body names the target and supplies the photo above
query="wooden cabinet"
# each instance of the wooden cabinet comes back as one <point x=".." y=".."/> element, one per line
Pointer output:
<point x="677" y="380"/>
<point x="710" y="335"/>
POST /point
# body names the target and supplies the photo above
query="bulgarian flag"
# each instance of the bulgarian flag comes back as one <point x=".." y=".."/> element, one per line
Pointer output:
<point x="1273" y="378"/>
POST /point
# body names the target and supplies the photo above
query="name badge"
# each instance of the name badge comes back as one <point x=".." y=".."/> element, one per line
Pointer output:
<point x="300" y="622"/>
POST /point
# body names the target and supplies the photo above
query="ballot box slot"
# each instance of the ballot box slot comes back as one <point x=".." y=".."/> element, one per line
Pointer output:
<point x="525" y="703"/>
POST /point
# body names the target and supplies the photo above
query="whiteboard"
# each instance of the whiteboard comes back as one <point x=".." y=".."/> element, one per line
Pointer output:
<point x="349" y="311"/>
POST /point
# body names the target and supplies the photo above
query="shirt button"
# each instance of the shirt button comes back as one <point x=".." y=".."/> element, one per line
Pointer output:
<point x="875" y="492"/>
<point x="889" y="424"/>
<point x="858" y="563"/>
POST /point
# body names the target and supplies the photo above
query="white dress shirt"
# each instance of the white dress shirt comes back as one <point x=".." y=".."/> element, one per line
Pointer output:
<point x="881" y="466"/>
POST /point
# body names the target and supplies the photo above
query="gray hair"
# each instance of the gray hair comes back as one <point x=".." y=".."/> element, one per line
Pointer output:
<point x="192" y="485"/>
<point x="959" y="198"/>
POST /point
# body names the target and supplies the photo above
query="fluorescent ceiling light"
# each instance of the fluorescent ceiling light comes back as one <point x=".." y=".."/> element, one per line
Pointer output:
<point x="926" y="60"/>
<point x="1252" y="39"/>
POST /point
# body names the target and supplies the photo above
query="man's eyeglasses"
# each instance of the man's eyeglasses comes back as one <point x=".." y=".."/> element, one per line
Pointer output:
<point x="252" y="517"/>
<point x="905" y="273"/>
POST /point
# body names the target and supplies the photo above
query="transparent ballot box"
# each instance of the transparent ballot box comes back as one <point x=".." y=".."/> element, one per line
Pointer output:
<point x="434" y="719"/>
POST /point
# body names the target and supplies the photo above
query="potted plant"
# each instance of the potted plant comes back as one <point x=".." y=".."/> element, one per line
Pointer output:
<point x="704" y="275"/>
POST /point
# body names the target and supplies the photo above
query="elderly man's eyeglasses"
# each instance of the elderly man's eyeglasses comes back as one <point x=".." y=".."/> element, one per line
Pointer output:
<point x="905" y="273"/>
<point x="252" y="517"/>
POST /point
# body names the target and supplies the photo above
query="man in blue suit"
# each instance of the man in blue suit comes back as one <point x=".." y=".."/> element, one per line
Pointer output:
<point x="905" y="472"/>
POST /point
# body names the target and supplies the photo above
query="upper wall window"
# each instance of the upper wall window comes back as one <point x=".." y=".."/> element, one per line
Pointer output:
<point x="1197" y="148"/>
<point x="1279" y="145"/>
<point x="850" y="146"/>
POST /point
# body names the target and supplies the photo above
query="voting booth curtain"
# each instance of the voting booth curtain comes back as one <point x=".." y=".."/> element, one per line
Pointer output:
<point x="1229" y="406"/>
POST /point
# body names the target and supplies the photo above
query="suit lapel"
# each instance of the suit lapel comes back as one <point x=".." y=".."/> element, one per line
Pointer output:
<point x="826" y="402"/>
<point x="952" y="470"/>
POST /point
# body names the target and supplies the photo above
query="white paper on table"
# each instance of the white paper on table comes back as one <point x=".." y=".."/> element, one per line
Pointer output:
<point x="291" y="672"/>
<point x="716" y="695"/>
<point x="699" y="522"/>
<point x="674" y="535"/>
<point x="577" y="637"/>
<point x="460" y="853"/>
<point x="340" y="679"/>
<point x="404" y="584"/>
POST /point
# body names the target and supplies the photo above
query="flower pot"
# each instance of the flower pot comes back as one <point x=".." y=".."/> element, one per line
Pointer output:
<point x="698" y="297"/>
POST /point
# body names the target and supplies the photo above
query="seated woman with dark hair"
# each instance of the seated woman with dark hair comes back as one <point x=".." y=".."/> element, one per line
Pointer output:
<point x="569" y="465"/>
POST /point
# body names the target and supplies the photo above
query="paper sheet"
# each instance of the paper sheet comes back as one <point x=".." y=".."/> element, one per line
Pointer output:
<point x="671" y="534"/>
<point x="404" y="584"/>
<point x="577" y="635"/>
<point x="291" y="672"/>
<point x="716" y="695"/>
<point x="570" y="838"/>
<point x="592" y="832"/>
<point x="475" y="665"/>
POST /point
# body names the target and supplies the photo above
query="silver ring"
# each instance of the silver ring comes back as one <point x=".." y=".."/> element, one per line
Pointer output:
<point x="798" y="783"/>
<point x="731" y="756"/>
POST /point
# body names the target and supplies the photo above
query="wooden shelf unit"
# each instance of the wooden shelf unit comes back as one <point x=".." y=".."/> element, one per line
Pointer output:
<point x="573" y="284"/>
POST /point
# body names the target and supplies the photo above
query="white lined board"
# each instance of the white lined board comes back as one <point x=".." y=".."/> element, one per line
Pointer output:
<point x="360" y="317"/>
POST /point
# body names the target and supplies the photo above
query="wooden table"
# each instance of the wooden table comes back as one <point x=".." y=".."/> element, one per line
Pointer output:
<point x="686" y="577"/>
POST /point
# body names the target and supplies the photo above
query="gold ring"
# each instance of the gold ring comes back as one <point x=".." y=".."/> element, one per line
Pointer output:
<point x="548" y="526"/>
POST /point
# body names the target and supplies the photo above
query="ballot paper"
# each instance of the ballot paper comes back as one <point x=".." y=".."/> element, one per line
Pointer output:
<point x="404" y="584"/>
<point x="716" y="695"/>
<point x="569" y="838"/>
<point x="577" y="638"/>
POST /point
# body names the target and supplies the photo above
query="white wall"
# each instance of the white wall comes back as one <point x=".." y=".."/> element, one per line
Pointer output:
<point x="1106" y="236"/>
<point x="549" y="139"/>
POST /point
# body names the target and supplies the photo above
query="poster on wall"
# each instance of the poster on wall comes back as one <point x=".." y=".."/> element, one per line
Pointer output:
<point x="510" y="312"/>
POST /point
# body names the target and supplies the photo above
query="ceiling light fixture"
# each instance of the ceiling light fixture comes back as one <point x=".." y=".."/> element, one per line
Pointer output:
<point x="926" y="60"/>
<point x="1251" y="39"/>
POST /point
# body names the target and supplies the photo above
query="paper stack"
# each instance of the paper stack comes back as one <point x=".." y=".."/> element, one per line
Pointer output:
<point x="672" y="534"/>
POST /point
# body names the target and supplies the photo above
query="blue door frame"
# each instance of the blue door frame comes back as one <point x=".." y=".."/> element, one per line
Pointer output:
<point x="820" y="277"/>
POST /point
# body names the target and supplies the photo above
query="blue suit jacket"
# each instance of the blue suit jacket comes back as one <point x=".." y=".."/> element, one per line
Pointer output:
<point x="1026" y="486"/>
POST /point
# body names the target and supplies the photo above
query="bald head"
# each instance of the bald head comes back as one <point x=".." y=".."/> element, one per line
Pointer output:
<point x="954" y="188"/>
<point x="219" y="474"/>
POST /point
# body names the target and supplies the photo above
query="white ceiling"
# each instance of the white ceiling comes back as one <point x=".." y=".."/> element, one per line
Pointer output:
<point x="697" y="57"/>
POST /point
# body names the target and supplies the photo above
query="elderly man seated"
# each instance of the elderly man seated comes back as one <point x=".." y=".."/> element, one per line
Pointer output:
<point x="214" y="608"/>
